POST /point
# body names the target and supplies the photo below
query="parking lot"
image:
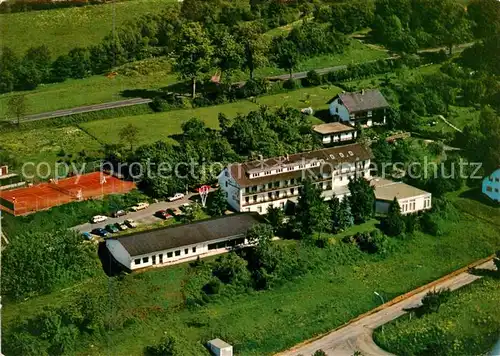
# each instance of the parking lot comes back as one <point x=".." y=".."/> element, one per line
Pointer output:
<point x="141" y="217"/>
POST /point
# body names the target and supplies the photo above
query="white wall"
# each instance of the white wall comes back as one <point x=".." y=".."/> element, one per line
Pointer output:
<point x="408" y="205"/>
<point x="491" y="186"/>
<point x="342" y="110"/>
<point x="231" y="188"/>
<point x="201" y="249"/>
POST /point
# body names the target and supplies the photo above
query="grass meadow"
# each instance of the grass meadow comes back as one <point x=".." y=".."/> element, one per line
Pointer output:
<point x="471" y="317"/>
<point x="48" y="144"/>
<point x="64" y="29"/>
<point x="160" y="126"/>
<point x="339" y="288"/>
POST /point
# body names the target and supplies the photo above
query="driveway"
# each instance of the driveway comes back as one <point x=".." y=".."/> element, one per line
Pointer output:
<point x="357" y="336"/>
<point x="145" y="216"/>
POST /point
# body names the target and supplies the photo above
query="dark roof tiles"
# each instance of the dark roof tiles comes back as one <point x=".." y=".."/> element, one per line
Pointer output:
<point x="162" y="239"/>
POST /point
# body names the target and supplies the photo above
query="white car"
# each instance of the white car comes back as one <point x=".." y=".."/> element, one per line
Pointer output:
<point x="131" y="223"/>
<point x="140" y="206"/>
<point x="98" y="219"/>
<point x="176" y="196"/>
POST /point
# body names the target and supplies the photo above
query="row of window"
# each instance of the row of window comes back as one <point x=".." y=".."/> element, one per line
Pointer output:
<point x="177" y="253"/>
<point x="285" y="169"/>
<point x="490" y="189"/>
<point x="496" y="179"/>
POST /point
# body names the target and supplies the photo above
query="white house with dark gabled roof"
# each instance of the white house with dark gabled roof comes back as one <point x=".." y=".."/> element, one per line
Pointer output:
<point x="367" y="108"/>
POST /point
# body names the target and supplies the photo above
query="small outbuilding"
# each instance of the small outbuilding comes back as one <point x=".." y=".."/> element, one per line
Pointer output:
<point x="410" y="199"/>
<point x="220" y="348"/>
<point x="335" y="133"/>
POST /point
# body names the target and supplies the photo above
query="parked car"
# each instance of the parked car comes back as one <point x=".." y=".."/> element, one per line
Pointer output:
<point x="177" y="196"/>
<point x="140" y="206"/>
<point x="163" y="214"/>
<point x="121" y="226"/>
<point x="98" y="219"/>
<point x="176" y="212"/>
<point x="119" y="213"/>
<point x="87" y="236"/>
<point x="100" y="232"/>
<point x="112" y="228"/>
<point x="131" y="223"/>
<point x="185" y="207"/>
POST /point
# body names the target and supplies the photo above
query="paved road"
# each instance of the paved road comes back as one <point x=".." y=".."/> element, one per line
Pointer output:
<point x="145" y="216"/>
<point x="358" y="335"/>
<point x="84" y="109"/>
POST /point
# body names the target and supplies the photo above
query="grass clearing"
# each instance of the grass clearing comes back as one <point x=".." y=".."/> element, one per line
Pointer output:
<point x="64" y="29"/>
<point x="262" y="323"/>
<point x="470" y="320"/>
<point x="44" y="145"/>
<point x="161" y="126"/>
<point x="93" y="90"/>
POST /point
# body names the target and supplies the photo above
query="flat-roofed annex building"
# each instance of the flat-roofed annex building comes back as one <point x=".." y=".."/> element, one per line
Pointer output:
<point x="168" y="245"/>
<point x="335" y="133"/>
<point x="410" y="199"/>
<point x="257" y="185"/>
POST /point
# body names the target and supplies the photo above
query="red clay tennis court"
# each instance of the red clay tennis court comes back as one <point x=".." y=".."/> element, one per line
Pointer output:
<point x="47" y="195"/>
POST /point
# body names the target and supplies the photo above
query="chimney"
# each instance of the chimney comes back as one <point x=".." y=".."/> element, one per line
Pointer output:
<point x="287" y="157"/>
<point x="362" y="92"/>
<point x="261" y="158"/>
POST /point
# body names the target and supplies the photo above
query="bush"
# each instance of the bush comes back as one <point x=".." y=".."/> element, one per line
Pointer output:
<point x="291" y="84"/>
<point x="254" y="87"/>
<point x="313" y="79"/>
<point x="159" y="105"/>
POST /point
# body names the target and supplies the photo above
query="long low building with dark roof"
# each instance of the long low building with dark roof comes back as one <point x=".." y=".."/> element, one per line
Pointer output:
<point x="257" y="185"/>
<point x="182" y="242"/>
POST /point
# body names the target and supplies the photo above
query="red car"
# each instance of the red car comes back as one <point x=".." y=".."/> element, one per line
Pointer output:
<point x="163" y="214"/>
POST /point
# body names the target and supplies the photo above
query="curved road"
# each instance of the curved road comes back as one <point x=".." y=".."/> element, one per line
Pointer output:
<point x="357" y="336"/>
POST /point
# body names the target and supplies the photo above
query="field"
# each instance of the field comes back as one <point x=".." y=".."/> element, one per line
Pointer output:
<point x="48" y="144"/>
<point x="340" y="288"/>
<point x="470" y="320"/>
<point x="64" y="29"/>
<point x="88" y="91"/>
<point x="151" y="75"/>
<point x="160" y="126"/>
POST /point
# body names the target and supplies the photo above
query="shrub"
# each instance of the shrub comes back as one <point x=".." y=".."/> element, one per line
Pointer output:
<point x="159" y="105"/>
<point x="313" y="78"/>
<point x="291" y="84"/>
<point x="253" y="87"/>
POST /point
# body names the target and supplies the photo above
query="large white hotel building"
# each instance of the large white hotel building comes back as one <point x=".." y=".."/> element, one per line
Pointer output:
<point x="257" y="185"/>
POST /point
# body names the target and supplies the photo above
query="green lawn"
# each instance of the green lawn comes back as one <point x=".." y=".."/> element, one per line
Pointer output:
<point x="93" y="90"/>
<point x="469" y="321"/>
<point x="64" y="29"/>
<point x="44" y="145"/>
<point x="160" y="126"/>
<point x="262" y="323"/>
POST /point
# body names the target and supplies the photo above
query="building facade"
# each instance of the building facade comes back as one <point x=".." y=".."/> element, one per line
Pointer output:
<point x="180" y="243"/>
<point x="366" y="108"/>
<point x="410" y="199"/>
<point x="255" y="186"/>
<point x="335" y="133"/>
<point x="491" y="186"/>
